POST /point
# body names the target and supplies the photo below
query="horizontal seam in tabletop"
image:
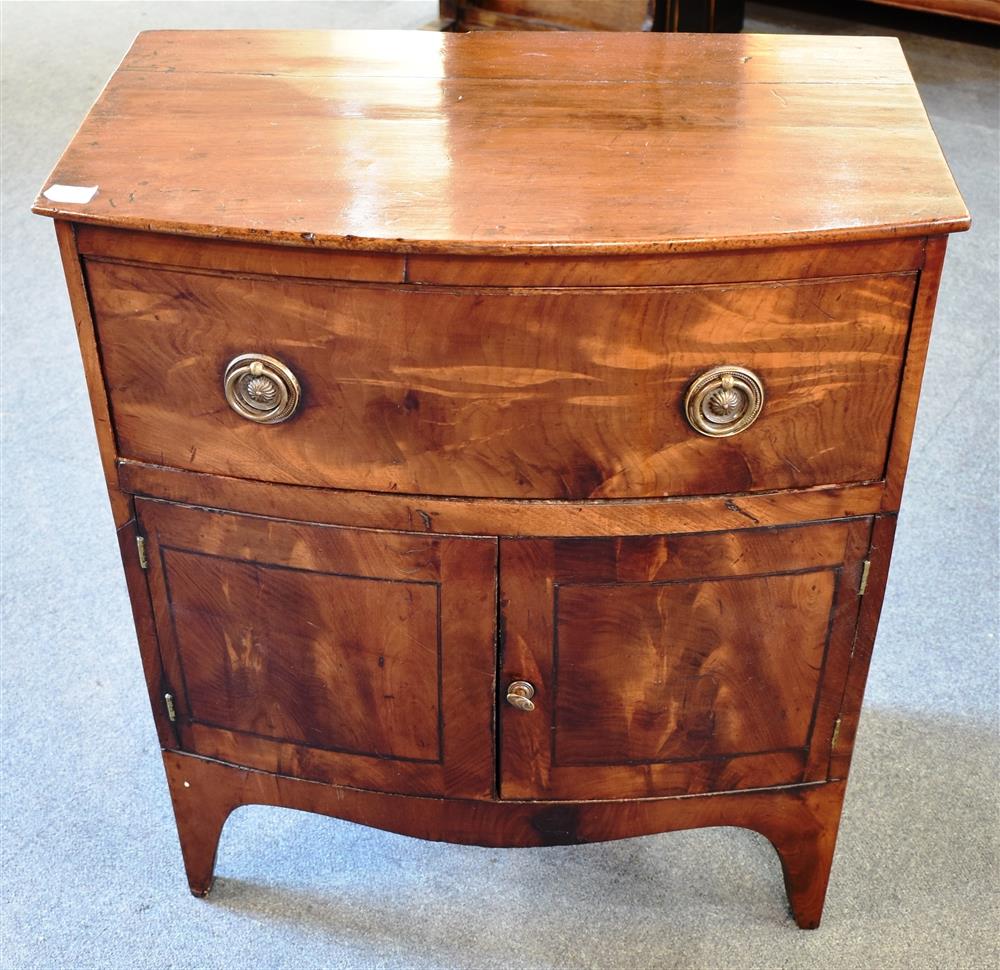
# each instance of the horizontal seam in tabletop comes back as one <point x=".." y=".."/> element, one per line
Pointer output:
<point x="541" y="79"/>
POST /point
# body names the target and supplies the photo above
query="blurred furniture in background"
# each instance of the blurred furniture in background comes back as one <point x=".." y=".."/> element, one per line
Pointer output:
<point x="924" y="16"/>
<point x="985" y="10"/>
<point x="655" y="15"/>
<point x="705" y="16"/>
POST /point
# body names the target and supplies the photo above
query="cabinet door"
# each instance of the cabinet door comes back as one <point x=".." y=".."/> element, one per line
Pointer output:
<point x="348" y="656"/>
<point x="673" y="665"/>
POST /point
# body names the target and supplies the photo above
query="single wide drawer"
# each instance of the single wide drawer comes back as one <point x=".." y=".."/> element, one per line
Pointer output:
<point x="531" y="393"/>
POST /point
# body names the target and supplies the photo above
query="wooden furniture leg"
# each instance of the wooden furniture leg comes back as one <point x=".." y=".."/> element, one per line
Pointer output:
<point x="805" y="841"/>
<point x="200" y="811"/>
<point x="801" y="823"/>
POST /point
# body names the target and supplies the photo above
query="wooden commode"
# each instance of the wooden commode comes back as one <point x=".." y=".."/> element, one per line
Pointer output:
<point x="505" y="432"/>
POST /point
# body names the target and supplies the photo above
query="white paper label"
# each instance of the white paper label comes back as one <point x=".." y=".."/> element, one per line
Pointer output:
<point x="70" y="193"/>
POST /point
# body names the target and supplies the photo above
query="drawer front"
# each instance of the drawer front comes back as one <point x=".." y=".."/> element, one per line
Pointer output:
<point x="675" y="665"/>
<point x="519" y="393"/>
<point x="339" y="655"/>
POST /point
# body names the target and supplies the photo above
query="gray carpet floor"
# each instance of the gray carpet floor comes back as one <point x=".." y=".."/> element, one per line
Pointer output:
<point x="91" y="871"/>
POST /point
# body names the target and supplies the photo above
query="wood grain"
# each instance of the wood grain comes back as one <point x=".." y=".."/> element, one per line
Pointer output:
<point x="801" y="822"/>
<point x="791" y="263"/>
<point x="121" y="504"/>
<point x="235" y="257"/>
<point x="423" y="513"/>
<point x="145" y="629"/>
<point x="272" y="651"/>
<point x="916" y="357"/>
<point x="861" y="654"/>
<point x="797" y="262"/>
<point x="503" y="143"/>
<point x="352" y="656"/>
<point x="746" y="59"/>
<point x="676" y="665"/>
<point x="551" y="393"/>
<point x="653" y="672"/>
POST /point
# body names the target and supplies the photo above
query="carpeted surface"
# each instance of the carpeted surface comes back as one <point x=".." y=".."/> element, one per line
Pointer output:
<point x="91" y="871"/>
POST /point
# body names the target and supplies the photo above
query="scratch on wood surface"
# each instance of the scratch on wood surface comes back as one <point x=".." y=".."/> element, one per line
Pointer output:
<point x="733" y="507"/>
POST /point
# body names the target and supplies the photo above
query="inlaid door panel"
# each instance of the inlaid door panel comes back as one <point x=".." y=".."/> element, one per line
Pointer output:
<point x="676" y="664"/>
<point x="348" y="656"/>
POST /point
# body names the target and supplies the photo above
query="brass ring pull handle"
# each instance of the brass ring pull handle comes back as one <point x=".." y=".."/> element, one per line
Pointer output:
<point x="519" y="695"/>
<point x="260" y="388"/>
<point x="724" y="401"/>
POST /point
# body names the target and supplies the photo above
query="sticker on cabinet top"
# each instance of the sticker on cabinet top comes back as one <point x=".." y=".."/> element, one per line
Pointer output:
<point x="70" y="193"/>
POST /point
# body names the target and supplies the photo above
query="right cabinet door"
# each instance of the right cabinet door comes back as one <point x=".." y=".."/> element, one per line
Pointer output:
<point x="681" y="664"/>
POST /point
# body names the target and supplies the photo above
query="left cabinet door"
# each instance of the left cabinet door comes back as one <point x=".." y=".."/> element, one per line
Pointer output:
<point x="347" y="656"/>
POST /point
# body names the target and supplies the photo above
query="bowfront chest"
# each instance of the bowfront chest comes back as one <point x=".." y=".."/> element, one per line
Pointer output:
<point x="505" y="432"/>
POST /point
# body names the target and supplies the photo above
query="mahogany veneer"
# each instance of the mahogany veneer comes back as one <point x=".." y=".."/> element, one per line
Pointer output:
<point x="500" y="457"/>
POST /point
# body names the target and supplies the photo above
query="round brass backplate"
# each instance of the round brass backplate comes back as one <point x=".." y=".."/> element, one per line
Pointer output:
<point x="724" y="401"/>
<point x="261" y="388"/>
<point x="519" y="695"/>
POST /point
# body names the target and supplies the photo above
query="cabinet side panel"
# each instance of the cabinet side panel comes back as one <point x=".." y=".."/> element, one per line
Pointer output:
<point x="121" y="504"/>
<point x="913" y="373"/>
<point x="121" y="501"/>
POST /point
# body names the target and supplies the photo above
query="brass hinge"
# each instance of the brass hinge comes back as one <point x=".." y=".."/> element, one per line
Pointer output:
<point x="168" y="700"/>
<point x="140" y="544"/>
<point x="865" y="568"/>
<point x="833" y="740"/>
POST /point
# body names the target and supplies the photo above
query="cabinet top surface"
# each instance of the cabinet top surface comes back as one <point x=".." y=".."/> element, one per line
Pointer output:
<point x="510" y="143"/>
